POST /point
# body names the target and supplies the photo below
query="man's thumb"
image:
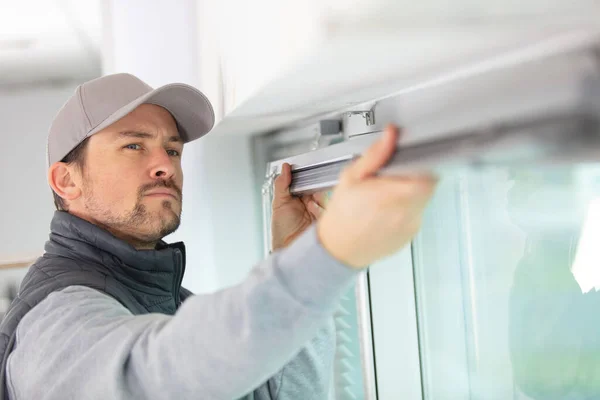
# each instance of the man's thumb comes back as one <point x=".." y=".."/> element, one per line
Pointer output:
<point x="282" y="183"/>
<point x="376" y="156"/>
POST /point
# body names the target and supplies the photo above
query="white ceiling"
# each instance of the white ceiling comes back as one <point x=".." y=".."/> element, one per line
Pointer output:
<point x="49" y="40"/>
<point x="374" y="48"/>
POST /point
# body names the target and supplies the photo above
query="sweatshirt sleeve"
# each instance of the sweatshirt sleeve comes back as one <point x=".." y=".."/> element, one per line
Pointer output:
<point x="80" y="343"/>
<point x="308" y="376"/>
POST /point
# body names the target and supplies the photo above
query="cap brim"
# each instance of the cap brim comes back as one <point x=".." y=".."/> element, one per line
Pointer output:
<point x="189" y="107"/>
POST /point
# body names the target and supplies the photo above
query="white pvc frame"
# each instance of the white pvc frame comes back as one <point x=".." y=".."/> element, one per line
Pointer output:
<point x="395" y="328"/>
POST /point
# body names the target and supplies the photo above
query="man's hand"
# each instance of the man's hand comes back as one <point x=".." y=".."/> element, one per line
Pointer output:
<point x="370" y="217"/>
<point x="291" y="214"/>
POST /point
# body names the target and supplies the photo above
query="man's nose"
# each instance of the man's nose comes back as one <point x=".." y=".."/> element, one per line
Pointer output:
<point x="162" y="165"/>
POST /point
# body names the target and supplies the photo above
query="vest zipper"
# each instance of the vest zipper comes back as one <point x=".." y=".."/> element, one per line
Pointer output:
<point x="178" y="278"/>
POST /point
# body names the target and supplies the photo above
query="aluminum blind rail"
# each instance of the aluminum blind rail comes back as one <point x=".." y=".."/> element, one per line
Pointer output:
<point x="571" y="138"/>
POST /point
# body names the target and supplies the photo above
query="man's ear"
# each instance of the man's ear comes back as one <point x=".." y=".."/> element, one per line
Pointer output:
<point x="62" y="180"/>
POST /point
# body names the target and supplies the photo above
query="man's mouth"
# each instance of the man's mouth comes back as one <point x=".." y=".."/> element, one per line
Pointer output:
<point x="162" y="193"/>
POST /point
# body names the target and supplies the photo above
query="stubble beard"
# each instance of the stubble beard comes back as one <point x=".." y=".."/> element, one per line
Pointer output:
<point x="138" y="226"/>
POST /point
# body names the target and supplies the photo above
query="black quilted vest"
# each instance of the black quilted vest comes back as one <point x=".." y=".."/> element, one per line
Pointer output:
<point x="80" y="253"/>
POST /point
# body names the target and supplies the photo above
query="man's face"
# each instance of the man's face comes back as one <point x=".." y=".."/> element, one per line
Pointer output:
<point x="131" y="181"/>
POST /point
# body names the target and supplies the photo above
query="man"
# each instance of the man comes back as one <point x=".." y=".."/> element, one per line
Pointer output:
<point x="102" y="314"/>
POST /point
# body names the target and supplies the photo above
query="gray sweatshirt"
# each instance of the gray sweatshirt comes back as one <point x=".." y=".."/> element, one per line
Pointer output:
<point x="275" y="326"/>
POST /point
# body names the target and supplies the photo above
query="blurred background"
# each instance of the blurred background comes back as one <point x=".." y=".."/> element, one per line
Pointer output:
<point x="47" y="48"/>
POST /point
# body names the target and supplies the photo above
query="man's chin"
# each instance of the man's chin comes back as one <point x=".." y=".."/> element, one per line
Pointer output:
<point x="159" y="229"/>
<point x="163" y="208"/>
<point x="169" y="220"/>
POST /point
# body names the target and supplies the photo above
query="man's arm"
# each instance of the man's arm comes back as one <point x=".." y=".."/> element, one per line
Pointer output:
<point x="80" y="343"/>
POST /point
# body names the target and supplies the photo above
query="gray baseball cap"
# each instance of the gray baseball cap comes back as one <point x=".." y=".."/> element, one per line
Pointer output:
<point x="103" y="101"/>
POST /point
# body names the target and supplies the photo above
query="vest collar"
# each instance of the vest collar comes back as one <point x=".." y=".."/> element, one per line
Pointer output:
<point x="161" y="269"/>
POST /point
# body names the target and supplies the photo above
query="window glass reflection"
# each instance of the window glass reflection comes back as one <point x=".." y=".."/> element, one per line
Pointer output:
<point x="507" y="272"/>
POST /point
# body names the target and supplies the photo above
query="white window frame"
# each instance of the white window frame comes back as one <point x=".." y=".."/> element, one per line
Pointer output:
<point x="394" y="326"/>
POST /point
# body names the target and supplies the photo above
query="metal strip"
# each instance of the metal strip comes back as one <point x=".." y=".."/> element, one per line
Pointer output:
<point x="546" y="139"/>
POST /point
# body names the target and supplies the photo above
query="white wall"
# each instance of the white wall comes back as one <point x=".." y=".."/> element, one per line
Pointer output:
<point x="26" y="204"/>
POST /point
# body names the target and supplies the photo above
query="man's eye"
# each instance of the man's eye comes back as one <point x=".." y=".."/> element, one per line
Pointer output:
<point x="133" y="147"/>
<point x="173" y="153"/>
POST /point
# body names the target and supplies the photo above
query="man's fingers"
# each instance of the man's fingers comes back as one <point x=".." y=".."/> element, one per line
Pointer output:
<point x="312" y="206"/>
<point x="376" y="156"/>
<point x="321" y="199"/>
<point x="281" y="187"/>
<point x="314" y="209"/>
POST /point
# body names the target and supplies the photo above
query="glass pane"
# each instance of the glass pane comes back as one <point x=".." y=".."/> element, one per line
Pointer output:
<point x="507" y="269"/>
